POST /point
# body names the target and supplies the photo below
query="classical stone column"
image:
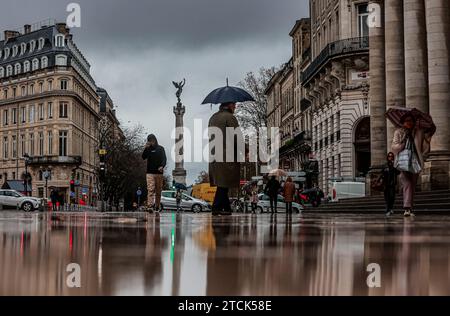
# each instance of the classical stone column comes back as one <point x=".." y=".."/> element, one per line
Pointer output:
<point x="438" y="38"/>
<point x="377" y="92"/>
<point x="416" y="74"/>
<point x="395" y="60"/>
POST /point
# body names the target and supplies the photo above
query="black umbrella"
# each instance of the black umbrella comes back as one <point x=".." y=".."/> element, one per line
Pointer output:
<point x="228" y="94"/>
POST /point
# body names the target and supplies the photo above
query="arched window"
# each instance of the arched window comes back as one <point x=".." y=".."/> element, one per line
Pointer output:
<point x="2" y="72"/>
<point x="32" y="46"/>
<point x="41" y="43"/>
<point x="35" y="65"/>
<point x="59" y="40"/>
<point x="44" y="62"/>
<point x="61" y="60"/>
<point x="1" y="53"/>
<point x="6" y="52"/>
<point x="17" y="68"/>
<point x="26" y="66"/>
<point x="23" y="48"/>
<point x="9" y="70"/>
<point x="15" y="50"/>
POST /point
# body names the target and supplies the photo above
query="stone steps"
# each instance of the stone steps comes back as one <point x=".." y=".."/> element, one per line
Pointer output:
<point x="429" y="202"/>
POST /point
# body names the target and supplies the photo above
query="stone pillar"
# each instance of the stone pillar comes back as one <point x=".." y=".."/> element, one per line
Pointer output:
<point x="438" y="38"/>
<point x="416" y="74"/>
<point x="377" y="92"/>
<point x="395" y="60"/>
<point x="179" y="173"/>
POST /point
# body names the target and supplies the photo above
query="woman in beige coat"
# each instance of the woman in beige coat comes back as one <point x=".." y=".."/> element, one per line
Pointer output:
<point x="422" y="140"/>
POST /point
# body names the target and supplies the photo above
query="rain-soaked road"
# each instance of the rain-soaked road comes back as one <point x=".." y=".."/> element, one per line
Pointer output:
<point x="194" y="254"/>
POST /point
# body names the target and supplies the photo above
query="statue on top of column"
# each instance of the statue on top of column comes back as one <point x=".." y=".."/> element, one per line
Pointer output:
<point x="179" y="86"/>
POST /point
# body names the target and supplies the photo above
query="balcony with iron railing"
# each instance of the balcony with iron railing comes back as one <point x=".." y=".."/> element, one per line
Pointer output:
<point x="55" y="160"/>
<point x="333" y="50"/>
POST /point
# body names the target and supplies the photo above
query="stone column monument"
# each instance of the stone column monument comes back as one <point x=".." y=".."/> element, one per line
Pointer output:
<point x="179" y="173"/>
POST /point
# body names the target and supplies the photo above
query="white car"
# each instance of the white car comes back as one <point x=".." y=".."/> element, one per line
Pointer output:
<point x="188" y="203"/>
<point x="14" y="199"/>
<point x="264" y="205"/>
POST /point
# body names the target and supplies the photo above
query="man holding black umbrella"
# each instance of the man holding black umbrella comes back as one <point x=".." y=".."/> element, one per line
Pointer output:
<point x="223" y="173"/>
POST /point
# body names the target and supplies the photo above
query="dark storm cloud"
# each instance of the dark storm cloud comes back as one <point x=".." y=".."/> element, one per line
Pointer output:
<point x="182" y="23"/>
<point x="136" y="48"/>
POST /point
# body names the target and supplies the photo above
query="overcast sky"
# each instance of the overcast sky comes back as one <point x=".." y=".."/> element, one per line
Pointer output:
<point x="137" y="48"/>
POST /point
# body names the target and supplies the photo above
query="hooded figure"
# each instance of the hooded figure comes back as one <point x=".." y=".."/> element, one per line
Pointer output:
<point x="156" y="162"/>
<point x="222" y="173"/>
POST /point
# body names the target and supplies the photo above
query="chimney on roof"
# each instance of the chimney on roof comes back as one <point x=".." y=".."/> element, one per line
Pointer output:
<point x="27" y="28"/>
<point x="11" y="34"/>
<point x="62" y="28"/>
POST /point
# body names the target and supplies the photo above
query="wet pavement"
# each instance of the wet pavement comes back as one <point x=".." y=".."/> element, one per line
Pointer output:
<point x="195" y="254"/>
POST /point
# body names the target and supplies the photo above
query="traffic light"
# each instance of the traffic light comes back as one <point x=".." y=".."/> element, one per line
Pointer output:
<point x="72" y="185"/>
<point x="102" y="166"/>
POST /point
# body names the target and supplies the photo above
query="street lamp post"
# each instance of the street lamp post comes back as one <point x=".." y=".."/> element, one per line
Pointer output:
<point x="46" y="175"/>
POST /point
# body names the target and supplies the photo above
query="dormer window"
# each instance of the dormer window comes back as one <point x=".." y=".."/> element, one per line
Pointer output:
<point x="2" y="72"/>
<point x="9" y="70"/>
<point x="1" y="53"/>
<point x="17" y="69"/>
<point x="15" y="50"/>
<point x="41" y="43"/>
<point x="61" y="60"/>
<point x="26" y="66"/>
<point x="6" y="53"/>
<point x="35" y="65"/>
<point x="32" y="46"/>
<point x="59" y="40"/>
<point x="23" y="48"/>
<point x="44" y="62"/>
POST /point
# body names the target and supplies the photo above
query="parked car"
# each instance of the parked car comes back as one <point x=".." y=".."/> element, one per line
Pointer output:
<point x="264" y="204"/>
<point x="14" y="199"/>
<point x="188" y="203"/>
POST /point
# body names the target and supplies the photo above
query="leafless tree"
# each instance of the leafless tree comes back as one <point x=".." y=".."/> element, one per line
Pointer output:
<point x="253" y="115"/>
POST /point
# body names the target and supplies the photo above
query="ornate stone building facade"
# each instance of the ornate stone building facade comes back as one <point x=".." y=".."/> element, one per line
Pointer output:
<point x="49" y="111"/>
<point x="336" y="83"/>
<point x="409" y="55"/>
<point x="287" y="107"/>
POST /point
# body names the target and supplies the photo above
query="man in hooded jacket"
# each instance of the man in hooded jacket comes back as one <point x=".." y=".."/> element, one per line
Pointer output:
<point x="156" y="162"/>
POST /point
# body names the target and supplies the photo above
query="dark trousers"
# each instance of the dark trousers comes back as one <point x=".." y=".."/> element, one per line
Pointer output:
<point x="288" y="207"/>
<point x="389" y="198"/>
<point x="221" y="201"/>
<point x="254" y="206"/>
<point x="273" y="202"/>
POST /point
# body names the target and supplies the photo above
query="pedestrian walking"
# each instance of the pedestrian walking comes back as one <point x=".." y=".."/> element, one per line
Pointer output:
<point x="178" y="197"/>
<point x="156" y="162"/>
<point x="54" y="200"/>
<point x="411" y="144"/>
<point x="272" y="188"/>
<point x="61" y="201"/>
<point x="224" y="173"/>
<point x="289" y="191"/>
<point x="254" y="198"/>
<point x="388" y="179"/>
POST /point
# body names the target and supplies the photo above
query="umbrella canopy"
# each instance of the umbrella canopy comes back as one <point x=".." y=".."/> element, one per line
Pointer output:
<point x="228" y="94"/>
<point x="278" y="173"/>
<point x="423" y="120"/>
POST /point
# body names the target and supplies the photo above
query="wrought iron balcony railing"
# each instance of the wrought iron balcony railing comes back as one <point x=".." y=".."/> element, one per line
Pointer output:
<point x="342" y="47"/>
<point x="47" y="160"/>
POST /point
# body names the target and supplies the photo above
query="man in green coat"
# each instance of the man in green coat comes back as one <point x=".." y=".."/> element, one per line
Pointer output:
<point x="223" y="173"/>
